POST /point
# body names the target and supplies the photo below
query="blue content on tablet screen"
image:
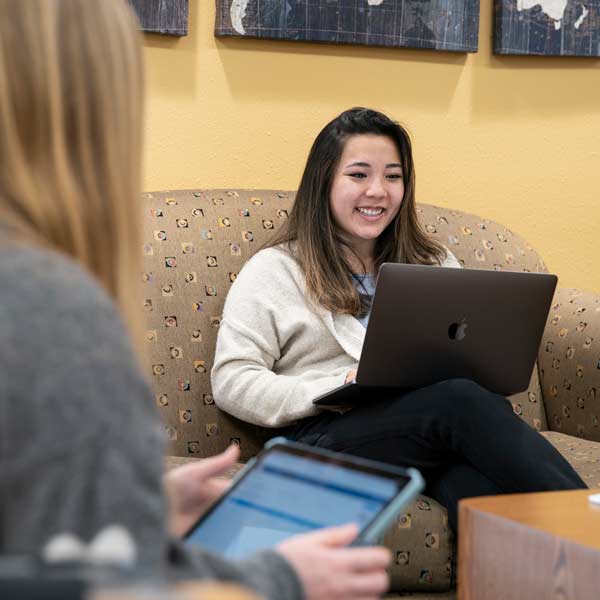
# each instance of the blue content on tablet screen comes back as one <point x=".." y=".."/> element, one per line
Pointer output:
<point x="284" y="495"/>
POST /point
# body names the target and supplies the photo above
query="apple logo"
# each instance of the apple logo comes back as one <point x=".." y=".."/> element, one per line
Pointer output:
<point x="458" y="331"/>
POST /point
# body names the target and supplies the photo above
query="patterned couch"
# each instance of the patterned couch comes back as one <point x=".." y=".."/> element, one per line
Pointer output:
<point x="195" y="243"/>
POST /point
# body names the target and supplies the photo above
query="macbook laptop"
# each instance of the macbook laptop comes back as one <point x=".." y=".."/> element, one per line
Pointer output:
<point x="429" y="324"/>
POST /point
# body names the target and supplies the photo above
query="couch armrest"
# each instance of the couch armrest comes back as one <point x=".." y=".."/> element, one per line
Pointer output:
<point x="569" y="362"/>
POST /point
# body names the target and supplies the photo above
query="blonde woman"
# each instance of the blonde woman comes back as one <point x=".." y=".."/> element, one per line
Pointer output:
<point x="80" y="444"/>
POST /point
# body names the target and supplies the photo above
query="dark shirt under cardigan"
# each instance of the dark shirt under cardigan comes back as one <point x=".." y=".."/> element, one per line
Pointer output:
<point x="81" y="446"/>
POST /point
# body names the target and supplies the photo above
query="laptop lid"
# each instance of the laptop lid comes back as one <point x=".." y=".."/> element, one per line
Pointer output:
<point x="429" y="324"/>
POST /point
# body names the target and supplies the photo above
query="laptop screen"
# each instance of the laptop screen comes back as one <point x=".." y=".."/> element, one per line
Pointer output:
<point x="286" y="494"/>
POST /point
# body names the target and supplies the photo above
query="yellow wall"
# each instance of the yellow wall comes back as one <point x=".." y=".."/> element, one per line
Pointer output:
<point x="513" y="139"/>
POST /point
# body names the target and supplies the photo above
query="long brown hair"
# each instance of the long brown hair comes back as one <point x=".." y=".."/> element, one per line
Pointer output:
<point x="71" y="96"/>
<point x="311" y="234"/>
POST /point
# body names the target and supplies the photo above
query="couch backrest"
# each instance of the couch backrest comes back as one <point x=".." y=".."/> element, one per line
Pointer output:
<point x="195" y="243"/>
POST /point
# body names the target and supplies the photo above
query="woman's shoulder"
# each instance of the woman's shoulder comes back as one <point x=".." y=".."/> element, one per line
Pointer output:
<point x="66" y="339"/>
<point x="51" y="304"/>
<point x="274" y="265"/>
<point x="271" y="277"/>
<point x="40" y="281"/>
<point x="281" y="254"/>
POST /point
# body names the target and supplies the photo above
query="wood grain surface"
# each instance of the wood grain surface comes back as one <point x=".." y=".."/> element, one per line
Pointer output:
<point x="529" y="546"/>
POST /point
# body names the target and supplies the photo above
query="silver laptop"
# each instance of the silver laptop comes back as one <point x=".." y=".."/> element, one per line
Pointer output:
<point x="429" y="324"/>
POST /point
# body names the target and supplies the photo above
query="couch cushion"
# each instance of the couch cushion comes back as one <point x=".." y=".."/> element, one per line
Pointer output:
<point x="569" y="362"/>
<point x="195" y="243"/>
<point x="529" y="405"/>
<point x="422" y="547"/>
<point x="583" y="455"/>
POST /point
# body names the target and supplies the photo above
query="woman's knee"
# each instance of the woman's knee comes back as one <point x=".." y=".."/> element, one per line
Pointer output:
<point x="459" y="388"/>
<point x="466" y="395"/>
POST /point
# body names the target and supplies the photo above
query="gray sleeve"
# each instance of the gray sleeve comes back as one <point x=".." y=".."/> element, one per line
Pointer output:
<point x="81" y="445"/>
<point x="268" y="573"/>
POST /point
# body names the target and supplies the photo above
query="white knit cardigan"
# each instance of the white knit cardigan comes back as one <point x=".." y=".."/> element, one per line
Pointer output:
<point x="276" y="351"/>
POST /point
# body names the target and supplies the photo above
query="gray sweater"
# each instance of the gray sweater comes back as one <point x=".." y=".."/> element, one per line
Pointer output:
<point x="81" y="446"/>
<point x="276" y="350"/>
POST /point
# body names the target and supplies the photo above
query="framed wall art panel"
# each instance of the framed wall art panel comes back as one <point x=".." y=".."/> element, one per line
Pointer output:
<point x="162" y="16"/>
<point x="435" y="24"/>
<point x="547" y="27"/>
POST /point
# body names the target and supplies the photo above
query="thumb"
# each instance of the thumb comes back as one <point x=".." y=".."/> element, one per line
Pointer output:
<point x="334" y="537"/>
<point x="218" y="464"/>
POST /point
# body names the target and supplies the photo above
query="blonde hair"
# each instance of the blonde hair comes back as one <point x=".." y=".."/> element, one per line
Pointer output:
<point x="71" y="96"/>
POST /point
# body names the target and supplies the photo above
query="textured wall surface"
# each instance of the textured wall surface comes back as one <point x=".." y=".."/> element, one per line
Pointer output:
<point x="513" y="139"/>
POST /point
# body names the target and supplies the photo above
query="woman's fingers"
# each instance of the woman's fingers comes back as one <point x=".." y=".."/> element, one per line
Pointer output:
<point x="215" y="488"/>
<point x="361" y="560"/>
<point x="202" y="470"/>
<point x="333" y="537"/>
<point x="369" y="585"/>
<point x="218" y="464"/>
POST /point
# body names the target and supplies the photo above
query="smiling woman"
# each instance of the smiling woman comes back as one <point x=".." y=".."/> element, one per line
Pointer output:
<point x="294" y="324"/>
<point x="366" y="195"/>
<point x="359" y="164"/>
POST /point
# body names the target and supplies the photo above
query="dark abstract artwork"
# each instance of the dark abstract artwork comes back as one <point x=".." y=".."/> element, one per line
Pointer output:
<point x="547" y="27"/>
<point x="162" y="16"/>
<point x="436" y="24"/>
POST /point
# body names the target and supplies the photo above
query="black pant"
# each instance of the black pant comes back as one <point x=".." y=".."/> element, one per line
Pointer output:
<point x="465" y="440"/>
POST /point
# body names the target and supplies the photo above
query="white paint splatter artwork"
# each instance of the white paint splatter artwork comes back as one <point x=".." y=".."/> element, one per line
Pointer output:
<point x="238" y="12"/>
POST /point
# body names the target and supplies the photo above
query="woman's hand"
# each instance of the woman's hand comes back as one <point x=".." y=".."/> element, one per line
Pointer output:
<point x="330" y="571"/>
<point x="192" y="488"/>
<point x="351" y="376"/>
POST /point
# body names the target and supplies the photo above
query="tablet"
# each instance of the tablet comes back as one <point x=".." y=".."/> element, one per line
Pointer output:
<point x="292" y="488"/>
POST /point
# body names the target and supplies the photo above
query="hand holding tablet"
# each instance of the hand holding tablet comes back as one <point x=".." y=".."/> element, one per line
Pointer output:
<point x="292" y="488"/>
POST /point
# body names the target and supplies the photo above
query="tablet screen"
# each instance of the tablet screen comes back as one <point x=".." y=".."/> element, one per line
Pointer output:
<point x="285" y="494"/>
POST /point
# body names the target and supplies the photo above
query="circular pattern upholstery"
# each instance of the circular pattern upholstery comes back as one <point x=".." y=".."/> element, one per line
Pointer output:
<point x="583" y="455"/>
<point x="196" y="242"/>
<point x="569" y="362"/>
